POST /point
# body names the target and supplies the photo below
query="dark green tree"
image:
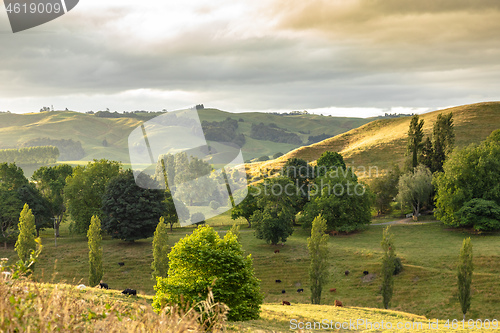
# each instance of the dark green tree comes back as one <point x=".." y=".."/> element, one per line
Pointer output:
<point x="301" y="174"/>
<point x="10" y="206"/>
<point x="329" y="161"/>
<point x="482" y="215"/>
<point x="344" y="203"/>
<point x="464" y="274"/>
<point x="385" y="189"/>
<point x="427" y="155"/>
<point x="443" y="140"/>
<point x="84" y="191"/>
<point x="38" y="204"/>
<point x="131" y="212"/>
<point x="203" y="260"/>
<point x="11" y="176"/>
<point x="415" y="137"/>
<point x="469" y="173"/>
<point x="276" y="201"/>
<point x="51" y="182"/>
<point x="317" y="246"/>
<point x="11" y="180"/>
<point x="247" y="207"/>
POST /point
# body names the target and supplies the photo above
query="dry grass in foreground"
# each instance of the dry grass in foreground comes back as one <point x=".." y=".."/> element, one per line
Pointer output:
<point x="33" y="307"/>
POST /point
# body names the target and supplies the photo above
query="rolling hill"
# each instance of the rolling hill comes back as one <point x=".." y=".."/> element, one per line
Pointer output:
<point x="91" y="131"/>
<point x="381" y="143"/>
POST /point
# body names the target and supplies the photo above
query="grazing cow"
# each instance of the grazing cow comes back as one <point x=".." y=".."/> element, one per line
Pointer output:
<point x="81" y="287"/>
<point x="300" y="290"/>
<point x="121" y="264"/>
<point x="333" y="290"/>
<point x="129" y="292"/>
<point x="365" y="273"/>
<point x="276" y="251"/>
<point x="346" y="273"/>
<point x="286" y="303"/>
<point x="103" y="285"/>
<point x="278" y="281"/>
<point x="283" y="291"/>
<point x="334" y="233"/>
<point x="338" y="303"/>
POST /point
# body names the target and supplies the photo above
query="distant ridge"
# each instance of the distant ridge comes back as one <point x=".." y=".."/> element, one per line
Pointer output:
<point x="381" y="143"/>
<point x="105" y="134"/>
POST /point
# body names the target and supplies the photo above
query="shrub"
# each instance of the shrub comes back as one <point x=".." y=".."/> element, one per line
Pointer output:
<point x="203" y="261"/>
<point x="398" y="266"/>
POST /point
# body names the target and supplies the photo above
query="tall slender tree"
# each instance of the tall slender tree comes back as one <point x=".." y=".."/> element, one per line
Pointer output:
<point x="95" y="251"/>
<point x="317" y="245"/>
<point x="465" y="270"/>
<point x="160" y="250"/>
<point x="26" y="239"/>
<point x="443" y="137"/>
<point x="415" y="137"/>
<point x="387" y="267"/>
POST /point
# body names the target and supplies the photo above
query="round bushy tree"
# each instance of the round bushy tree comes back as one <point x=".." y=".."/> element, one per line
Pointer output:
<point x="131" y="212"/>
<point x="203" y="260"/>
<point x="468" y="192"/>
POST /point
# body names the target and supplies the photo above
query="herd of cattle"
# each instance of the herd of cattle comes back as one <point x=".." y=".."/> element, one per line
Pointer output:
<point x="103" y="285"/>
<point x="129" y="291"/>
<point x="301" y="290"/>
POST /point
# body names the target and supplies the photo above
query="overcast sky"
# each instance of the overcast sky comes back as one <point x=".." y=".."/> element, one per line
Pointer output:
<point x="342" y="57"/>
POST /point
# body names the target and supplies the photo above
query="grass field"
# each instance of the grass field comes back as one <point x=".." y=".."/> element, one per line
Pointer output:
<point x="426" y="287"/>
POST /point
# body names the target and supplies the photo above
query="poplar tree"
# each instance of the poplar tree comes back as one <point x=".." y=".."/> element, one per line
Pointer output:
<point x="387" y="267"/>
<point x="160" y="250"/>
<point x="465" y="269"/>
<point x="26" y="240"/>
<point x="95" y="251"/>
<point x="317" y="245"/>
<point x="415" y="137"/>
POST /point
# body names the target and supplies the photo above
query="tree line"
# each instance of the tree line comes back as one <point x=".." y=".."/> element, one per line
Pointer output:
<point x="223" y="131"/>
<point x="69" y="150"/>
<point x="272" y="133"/>
<point x="31" y="155"/>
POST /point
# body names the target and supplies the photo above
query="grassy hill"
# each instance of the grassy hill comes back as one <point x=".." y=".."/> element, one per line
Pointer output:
<point x="90" y="130"/>
<point x="381" y="143"/>
<point x="51" y="307"/>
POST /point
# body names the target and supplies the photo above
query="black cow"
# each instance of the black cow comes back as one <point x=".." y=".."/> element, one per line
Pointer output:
<point x="365" y="273"/>
<point x="346" y="273"/>
<point x="129" y="292"/>
<point x="300" y="290"/>
<point x="283" y="291"/>
<point x="121" y="264"/>
<point x="278" y="281"/>
<point x="103" y="285"/>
